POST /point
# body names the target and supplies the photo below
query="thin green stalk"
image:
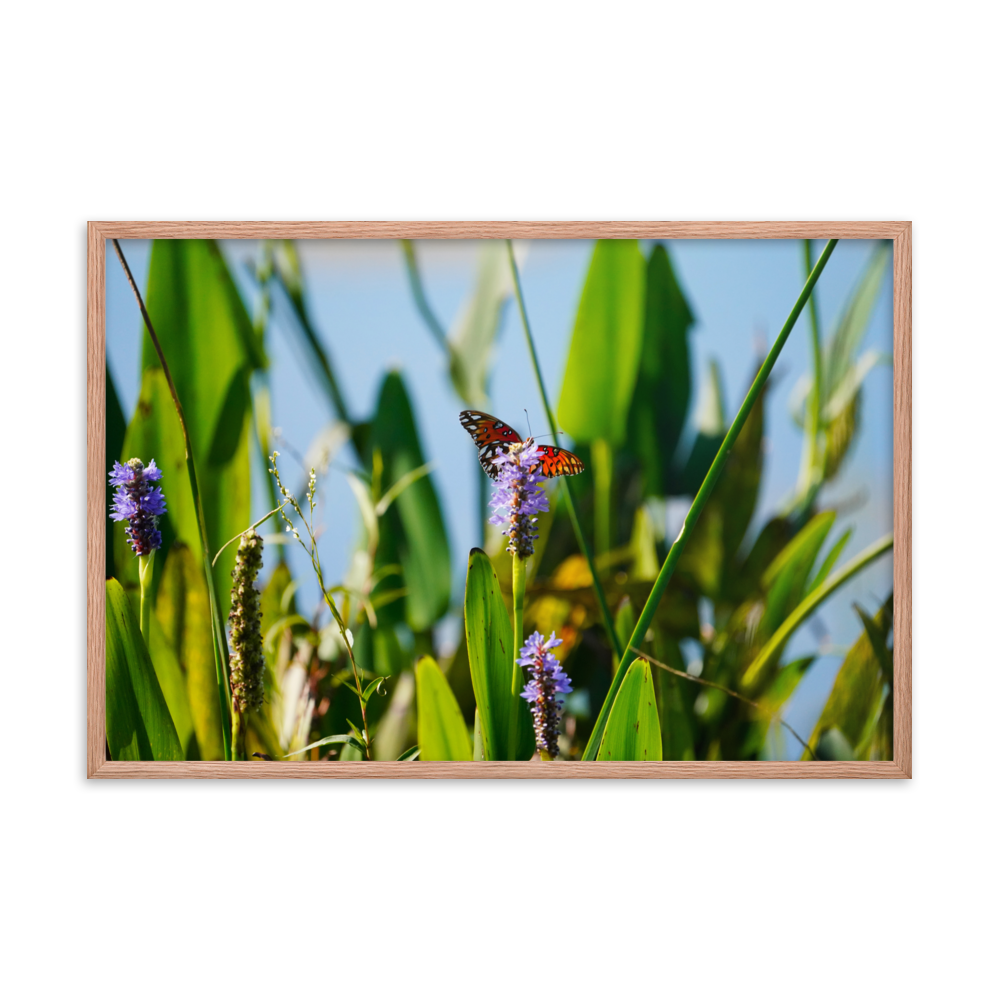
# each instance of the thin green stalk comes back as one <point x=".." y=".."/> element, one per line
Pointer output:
<point x="239" y="736"/>
<point x="810" y="474"/>
<point x="145" y="593"/>
<point x="601" y="454"/>
<point x="220" y="647"/>
<point x="777" y="641"/>
<point x="602" y="601"/>
<point x="420" y="298"/>
<point x="698" y="504"/>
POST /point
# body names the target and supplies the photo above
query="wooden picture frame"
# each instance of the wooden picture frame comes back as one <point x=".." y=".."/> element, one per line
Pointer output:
<point x="898" y="232"/>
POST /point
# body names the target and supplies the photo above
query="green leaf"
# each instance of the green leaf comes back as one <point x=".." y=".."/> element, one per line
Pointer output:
<point x="675" y="696"/>
<point x="471" y="337"/>
<point x="633" y="729"/>
<point x="663" y="383"/>
<point x="858" y="695"/>
<point x="412" y="533"/>
<point x="183" y="612"/>
<point x="347" y="738"/>
<point x="625" y="621"/>
<point x="830" y="561"/>
<point x="496" y="679"/>
<point x="139" y="726"/>
<point x="769" y="655"/>
<point x="412" y="754"/>
<point x="211" y="348"/>
<point x="173" y="685"/>
<point x="840" y="350"/>
<point x="441" y="731"/>
<point x="606" y="345"/>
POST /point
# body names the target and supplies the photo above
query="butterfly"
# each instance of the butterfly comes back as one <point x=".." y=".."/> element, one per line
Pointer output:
<point x="493" y="437"/>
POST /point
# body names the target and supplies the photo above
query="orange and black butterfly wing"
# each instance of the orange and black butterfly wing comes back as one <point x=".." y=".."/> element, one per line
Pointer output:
<point x="558" y="462"/>
<point x="492" y="437"/>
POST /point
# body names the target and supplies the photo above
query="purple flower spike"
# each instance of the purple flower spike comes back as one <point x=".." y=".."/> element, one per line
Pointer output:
<point x="138" y="502"/>
<point x="548" y="681"/>
<point x="519" y="497"/>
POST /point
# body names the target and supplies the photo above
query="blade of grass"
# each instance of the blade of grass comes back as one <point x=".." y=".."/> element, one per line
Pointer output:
<point x="810" y="459"/>
<point x="698" y="504"/>
<point x="220" y="645"/>
<point x="602" y="601"/>
<point x="420" y="297"/>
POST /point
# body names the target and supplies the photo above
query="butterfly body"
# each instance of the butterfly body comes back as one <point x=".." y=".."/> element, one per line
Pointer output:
<point x="493" y="437"/>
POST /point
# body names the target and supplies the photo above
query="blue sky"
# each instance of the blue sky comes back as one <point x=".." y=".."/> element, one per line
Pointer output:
<point x="740" y="293"/>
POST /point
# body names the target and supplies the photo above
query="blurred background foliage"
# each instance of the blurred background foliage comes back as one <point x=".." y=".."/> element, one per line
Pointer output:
<point x="750" y="581"/>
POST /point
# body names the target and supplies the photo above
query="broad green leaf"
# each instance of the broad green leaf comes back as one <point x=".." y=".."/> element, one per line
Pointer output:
<point x="858" y="695"/>
<point x="471" y="337"/>
<point x="497" y="681"/>
<point x="441" y="732"/>
<point x="412" y="533"/>
<point x="211" y="348"/>
<point x="183" y="612"/>
<point x="633" y="729"/>
<point x="173" y="684"/>
<point x="139" y="726"/>
<point x="663" y="383"/>
<point x="606" y="345"/>
<point x="114" y="438"/>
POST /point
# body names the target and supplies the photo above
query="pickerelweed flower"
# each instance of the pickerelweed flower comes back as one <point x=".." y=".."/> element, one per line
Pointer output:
<point x="518" y="497"/>
<point x="246" y="662"/>
<point x="139" y="502"/>
<point x="548" y="681"/>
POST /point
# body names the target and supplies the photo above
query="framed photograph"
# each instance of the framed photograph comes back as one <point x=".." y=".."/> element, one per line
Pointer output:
<point x="499" y="499"/>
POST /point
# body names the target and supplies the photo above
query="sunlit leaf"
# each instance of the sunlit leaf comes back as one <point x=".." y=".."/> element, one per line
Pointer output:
<point x="441" y="731"/>
<point x="606" y="345"/>
<point x="412" y="532"/>
<point x="173" y="684"/>
<point x="496" y="680"/>
<point x="663" y="384"/>
<point x="139" y="726"/>
<point x="633" y="729"/>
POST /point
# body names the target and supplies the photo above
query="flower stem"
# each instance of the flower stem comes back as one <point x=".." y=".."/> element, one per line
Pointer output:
<point x="602" y="601"/>
<point x="698" y="504"/>
<point x="219" y="646"/>
<point x="145" y="593"/>
<point x="518" y="587"/>
<point x="239" y="736"/>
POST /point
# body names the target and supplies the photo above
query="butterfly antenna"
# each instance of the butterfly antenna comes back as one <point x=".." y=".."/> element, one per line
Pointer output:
<point x="526" y="417"/>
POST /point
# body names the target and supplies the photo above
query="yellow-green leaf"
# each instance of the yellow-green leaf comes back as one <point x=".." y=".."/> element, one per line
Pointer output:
<point x="633" y="729"/>
<point x="441" y="731"/>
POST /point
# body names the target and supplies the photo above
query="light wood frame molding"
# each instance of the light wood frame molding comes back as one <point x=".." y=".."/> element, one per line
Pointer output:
<point x="898" y="232"/>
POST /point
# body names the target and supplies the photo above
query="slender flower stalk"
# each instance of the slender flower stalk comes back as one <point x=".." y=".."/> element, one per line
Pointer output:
<point x="141" y="504"/>
<point x="246" y="661"/>
<point x="516" y="503"/>
<point x="548" y="681"/>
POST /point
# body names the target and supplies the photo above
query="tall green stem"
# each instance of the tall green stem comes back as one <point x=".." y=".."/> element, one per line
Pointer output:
<point x="602" y="601"/>
<point x="698" y="504"/>
<point x="145" y="593"/>
<point x="220" y="647"/>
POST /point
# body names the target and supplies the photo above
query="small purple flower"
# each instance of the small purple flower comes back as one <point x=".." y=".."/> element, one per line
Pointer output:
<point x="518" y="497"/>
<point x="548" y="681"/>
<point x="138" y="502"/>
